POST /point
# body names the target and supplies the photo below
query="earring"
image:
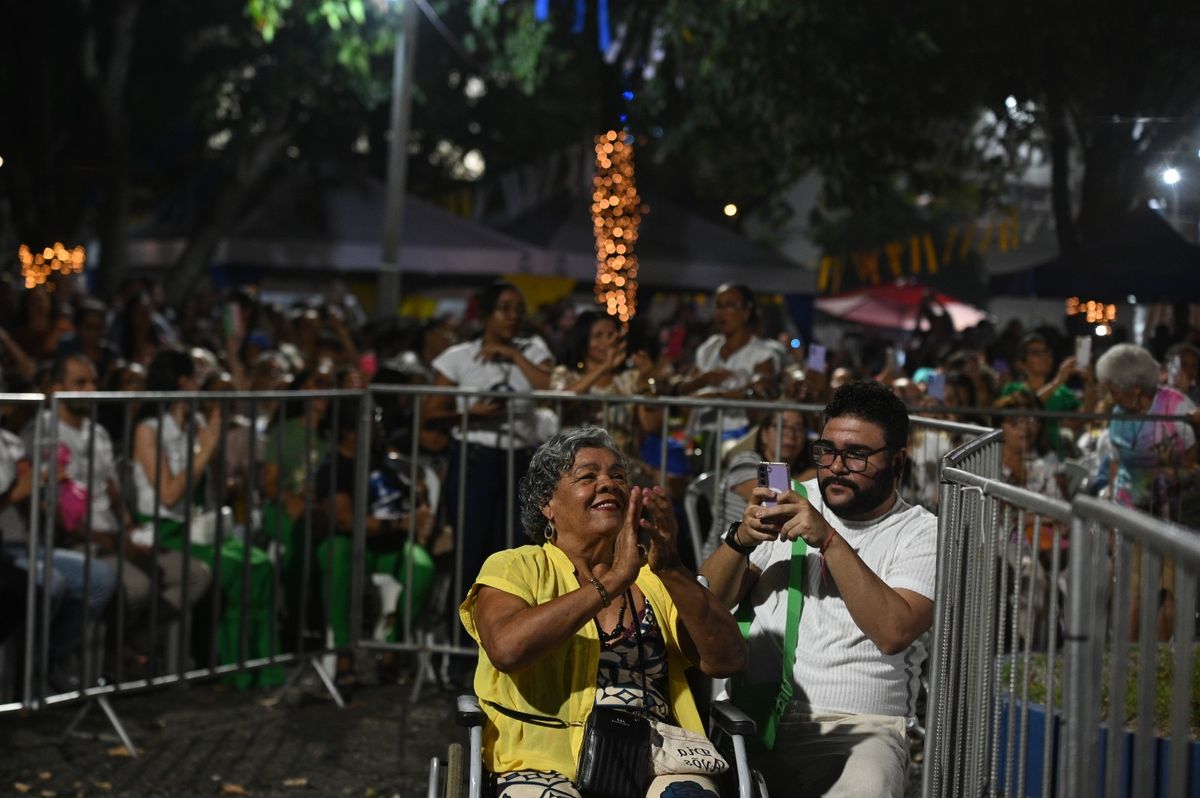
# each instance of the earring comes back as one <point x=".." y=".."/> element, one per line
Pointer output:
<point x="550" y="532"/>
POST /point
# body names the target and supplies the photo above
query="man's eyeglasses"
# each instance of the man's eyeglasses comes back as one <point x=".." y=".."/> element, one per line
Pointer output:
<point x="855" y="460"/>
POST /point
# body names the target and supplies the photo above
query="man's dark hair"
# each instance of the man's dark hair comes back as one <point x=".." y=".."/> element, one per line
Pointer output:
<point x="874" y="402"/>
<point x="59" y="372"/>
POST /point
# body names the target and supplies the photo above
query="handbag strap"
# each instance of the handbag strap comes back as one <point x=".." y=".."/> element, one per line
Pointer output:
<point x="559" y="723"/>
<point x="637" y="633"/>
<point x="528" y="717"/>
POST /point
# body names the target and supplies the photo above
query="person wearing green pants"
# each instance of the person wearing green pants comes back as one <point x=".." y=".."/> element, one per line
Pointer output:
<point x="164" y="495"/>
<point x="295" y="445"/>
<point x="388" y="548"/>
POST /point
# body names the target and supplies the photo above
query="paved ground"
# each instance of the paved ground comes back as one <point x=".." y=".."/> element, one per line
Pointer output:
<point x="208" y="740"/>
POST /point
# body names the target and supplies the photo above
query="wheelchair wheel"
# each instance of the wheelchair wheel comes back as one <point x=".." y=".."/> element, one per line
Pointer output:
<point x="455" y="762"/>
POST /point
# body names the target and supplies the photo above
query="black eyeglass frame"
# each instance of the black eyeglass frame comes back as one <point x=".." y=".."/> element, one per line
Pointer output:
<point x="820" y="450"/>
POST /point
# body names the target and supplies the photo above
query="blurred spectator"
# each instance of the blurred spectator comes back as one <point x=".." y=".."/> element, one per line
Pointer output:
<point x="1035" y="367"/>
<point x="295" y="444"/>
<point x="92" y="456"/>
<point x="112" y="416"/>
<point x="1152" y="460"/>
<point x="1183" y="369"/>
<point x="70" y="571"/>
<point x="40" y="323"/>
<point x="396" y="530"/>
<point x="733" y="363"/>
<point x="1025" y="460"/>
<point x="162" y="499"/>
<point x="88" y="338"/>
<point x="134" y="331"/>
<point x="781" y="437"/>
<point x="599" y="363"/>
<point x="496" y="361"/>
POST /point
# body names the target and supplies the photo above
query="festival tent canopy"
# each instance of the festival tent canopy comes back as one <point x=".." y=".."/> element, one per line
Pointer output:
<point x="1145" y="258"/>
<point x="899" y="306"/>
<point x="337" y="226"/>
<point x="675" y="248"/>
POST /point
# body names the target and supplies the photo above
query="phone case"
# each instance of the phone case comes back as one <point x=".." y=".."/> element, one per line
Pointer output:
<point x="776" y="476"/>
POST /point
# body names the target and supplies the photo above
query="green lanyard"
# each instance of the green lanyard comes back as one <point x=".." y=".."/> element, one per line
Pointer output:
<point x="766" y="702"/>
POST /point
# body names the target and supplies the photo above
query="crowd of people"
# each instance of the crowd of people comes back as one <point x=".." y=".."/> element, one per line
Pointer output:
<point x="143" y="483"/>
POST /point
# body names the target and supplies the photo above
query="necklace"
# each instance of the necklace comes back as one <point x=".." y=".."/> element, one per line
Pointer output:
<point x="619" y="629"/>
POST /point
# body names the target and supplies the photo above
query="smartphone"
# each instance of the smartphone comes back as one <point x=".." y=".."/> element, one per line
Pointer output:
<point x="896" y="359"/>
<point x="936" y="387"/>
<point x="1174" y="367"/>
<point x="232" y="319"/>
<point x="1000" y="366"/>
<point x="816" y="358"/>
<point x="776" y="476"/>
<point x="1083" y="350"/>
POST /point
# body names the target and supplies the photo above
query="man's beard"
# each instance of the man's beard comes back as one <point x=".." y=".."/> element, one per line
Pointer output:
<point x="863" y="501"/>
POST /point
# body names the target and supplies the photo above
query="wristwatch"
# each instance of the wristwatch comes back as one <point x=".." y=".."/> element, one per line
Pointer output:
<point x="731" y="540"/>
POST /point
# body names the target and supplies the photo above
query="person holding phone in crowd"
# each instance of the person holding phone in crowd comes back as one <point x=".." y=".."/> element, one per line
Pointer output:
<point x="1049" y="385"/>
<point x="866" y="578"/>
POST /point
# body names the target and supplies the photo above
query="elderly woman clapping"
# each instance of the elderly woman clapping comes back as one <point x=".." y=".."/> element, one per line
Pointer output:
<point x="588" y="617"/>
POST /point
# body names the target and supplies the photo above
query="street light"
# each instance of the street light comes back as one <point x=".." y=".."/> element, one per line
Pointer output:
<point x="1171" y="177"/>
<point x="387" y="297"/>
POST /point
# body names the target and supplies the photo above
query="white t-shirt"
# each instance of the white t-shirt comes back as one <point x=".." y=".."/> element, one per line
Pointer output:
<point x="837" y="667"/>
<point x="741" y="365"/>
<point x="461" y="365"/>
<point x="174" y="460"/>
<point x="104" y="467"/>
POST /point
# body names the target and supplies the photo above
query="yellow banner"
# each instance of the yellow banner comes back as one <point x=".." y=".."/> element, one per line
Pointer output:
<point x="922" y="253"/>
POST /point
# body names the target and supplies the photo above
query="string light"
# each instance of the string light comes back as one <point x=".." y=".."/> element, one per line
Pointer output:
<point x="36" y="267"/>
<point x="616" y="216"/>
<point x="1094" y="312"/>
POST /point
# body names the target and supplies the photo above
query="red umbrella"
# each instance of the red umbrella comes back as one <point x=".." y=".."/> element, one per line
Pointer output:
<point x="899" y="306"/>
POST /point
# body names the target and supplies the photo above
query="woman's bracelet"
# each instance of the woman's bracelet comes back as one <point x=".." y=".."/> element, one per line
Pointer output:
<point x="604" y="599"/>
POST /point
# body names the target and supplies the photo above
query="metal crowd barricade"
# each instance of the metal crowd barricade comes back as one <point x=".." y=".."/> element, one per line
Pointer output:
<point x="930" y="440"/>
<point x="253" y="581"/>
<point x="1105" y="543"/>
<point x="16" y="653"/>
<point x="1015" y="712"/>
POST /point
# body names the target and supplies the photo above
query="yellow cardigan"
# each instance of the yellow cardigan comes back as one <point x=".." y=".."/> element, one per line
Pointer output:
<point x="561" y="684"/>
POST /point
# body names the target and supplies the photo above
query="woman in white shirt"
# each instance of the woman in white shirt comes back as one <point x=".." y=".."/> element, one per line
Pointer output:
<point x="733" y="363"/>
<point x="174" y="370"/>
<point x="498" y="360"/>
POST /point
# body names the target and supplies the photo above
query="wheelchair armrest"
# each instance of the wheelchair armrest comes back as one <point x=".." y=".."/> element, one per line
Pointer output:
<point x="467" y="711"/>
<point x="731" y="720"/>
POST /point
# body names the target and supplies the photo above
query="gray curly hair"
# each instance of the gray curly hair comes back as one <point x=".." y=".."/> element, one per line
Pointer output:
<point x="1129" y="366"/>
<point x="552" y="459"/>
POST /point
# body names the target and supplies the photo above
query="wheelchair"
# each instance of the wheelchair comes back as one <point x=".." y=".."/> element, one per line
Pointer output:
<point x="463" y="768"/>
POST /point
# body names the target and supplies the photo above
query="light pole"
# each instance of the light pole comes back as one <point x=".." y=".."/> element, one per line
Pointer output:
<point x="387" y="295"/>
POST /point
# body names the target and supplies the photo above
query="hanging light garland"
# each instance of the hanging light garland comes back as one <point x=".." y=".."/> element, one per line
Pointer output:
<point x="36" y="267"/>
<point x="616" y="216"/>
<point x="1094" y="312"/>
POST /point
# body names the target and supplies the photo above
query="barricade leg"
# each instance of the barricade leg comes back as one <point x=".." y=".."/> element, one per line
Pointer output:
<point x="114" y="720"/>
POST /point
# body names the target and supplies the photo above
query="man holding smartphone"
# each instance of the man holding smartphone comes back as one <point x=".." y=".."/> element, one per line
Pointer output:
<point x="867" y="584"/>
